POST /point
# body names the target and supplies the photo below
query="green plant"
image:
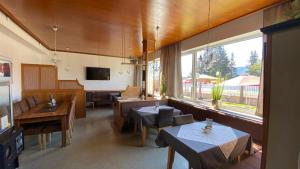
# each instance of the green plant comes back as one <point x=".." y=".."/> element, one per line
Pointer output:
<point x="217" y="89"/>
<point x="163" y="88"/>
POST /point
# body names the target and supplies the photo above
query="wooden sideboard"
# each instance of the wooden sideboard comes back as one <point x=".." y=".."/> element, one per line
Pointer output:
<point x="42" y="81"/>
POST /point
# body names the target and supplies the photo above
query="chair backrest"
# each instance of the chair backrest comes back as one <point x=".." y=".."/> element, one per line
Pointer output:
<point x="17" y="109"/>
<point x="37" y="100"/>
<point x="183" y="119"/>
<point x="31" y="102"/>
<point x="71" y="113"/>
<point x="24" y="106"/>
<point x="3" y="111"/>
<point x="165" y="117"/>
<point x="131" y="92"/>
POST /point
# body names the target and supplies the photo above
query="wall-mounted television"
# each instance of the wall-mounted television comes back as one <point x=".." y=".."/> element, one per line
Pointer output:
<point x="97" y="73"/>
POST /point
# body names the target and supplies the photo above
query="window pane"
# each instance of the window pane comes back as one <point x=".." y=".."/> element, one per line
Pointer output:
<point x="150" y="77"/>
<point x="154" y="77"/>
<point x="239" y="65"/>
<point x="186" y="67"/>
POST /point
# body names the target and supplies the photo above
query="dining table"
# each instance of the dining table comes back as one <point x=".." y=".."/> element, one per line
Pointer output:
<point x="202" y="147"/>
<point x="148" y="115"/>
<point x="42" y="113"/>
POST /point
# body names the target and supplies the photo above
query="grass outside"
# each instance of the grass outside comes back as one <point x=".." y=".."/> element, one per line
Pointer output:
<point x="243" y="108"/>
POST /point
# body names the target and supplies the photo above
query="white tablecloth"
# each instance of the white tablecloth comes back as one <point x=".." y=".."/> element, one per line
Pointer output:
<point x="220" y="135"/>
<point x="153" y="109"/>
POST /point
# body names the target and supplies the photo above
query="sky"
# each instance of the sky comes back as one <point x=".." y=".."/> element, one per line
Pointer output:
<point x="241" y="51"/>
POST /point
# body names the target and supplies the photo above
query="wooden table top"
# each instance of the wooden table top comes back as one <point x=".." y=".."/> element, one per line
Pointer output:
<point x="39" y="112"/>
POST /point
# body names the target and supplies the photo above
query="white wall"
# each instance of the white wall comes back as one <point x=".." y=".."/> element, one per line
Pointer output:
<point x="19" y="47"/>
<point x="120" y="75"/>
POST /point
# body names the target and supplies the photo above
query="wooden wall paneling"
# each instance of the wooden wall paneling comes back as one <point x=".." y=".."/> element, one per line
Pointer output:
<point x="41" y="80"/>
<point x="69" y="84"/>
<point x="48" y="76"/>
<point x="30" y="77"/>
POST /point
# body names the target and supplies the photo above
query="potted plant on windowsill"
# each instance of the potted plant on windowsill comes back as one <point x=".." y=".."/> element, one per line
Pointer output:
<point x="217" y="92"/>
<point x="163" y="90"/>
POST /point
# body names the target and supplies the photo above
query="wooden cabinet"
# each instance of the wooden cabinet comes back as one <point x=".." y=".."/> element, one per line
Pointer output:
<point x="281" y="96"/>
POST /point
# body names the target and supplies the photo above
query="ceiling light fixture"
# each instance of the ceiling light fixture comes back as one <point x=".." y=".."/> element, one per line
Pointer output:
<point x="208" y="55"/>
<point x="68" y="65"/>
<point x="55" y="59"/>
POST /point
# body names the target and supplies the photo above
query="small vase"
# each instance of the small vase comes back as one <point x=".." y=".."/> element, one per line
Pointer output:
<point x="216" y="104"/>
<point x="163" y="96"/>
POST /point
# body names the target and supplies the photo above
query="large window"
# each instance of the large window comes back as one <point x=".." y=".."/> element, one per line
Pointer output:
<point x="187" y="73"/>
<point x="154" y="77"/>
<point x="238" y="64"/>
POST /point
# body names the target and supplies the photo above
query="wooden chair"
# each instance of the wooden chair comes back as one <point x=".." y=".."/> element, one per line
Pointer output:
<point x="164" y="119"/>
<point x="55" y="126"/>
<point x="131" y="92"/>
<point x="29" y="129"/>
<point x="183" y="119"/>
<point x="37" y="100"/>
<point x="17" y="109"/>
<point x="24" y="106"/>
<point x="31" y="102"/>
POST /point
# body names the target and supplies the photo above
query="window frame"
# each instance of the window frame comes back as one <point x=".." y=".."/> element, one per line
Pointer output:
<point x="193" y="51"/>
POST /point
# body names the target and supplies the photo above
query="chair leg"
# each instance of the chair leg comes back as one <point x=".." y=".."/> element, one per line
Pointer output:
<point x="190" y="167"/>
<point x="68" y="137"/>
<point x="48" y="137"/>
<point x="40" y="141"/>
<point x="143" y="136"/>
<point x="44" y="142"/>
<point x="171" y="154"/>
<point x="238" y="159"/>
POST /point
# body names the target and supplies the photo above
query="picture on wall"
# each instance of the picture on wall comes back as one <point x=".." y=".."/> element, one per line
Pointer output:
<point x="5" y="69"/>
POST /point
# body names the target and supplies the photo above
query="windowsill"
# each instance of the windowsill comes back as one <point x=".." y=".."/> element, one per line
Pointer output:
<point x="239" y="115"/>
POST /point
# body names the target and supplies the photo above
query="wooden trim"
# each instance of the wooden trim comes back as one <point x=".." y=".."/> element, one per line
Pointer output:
<point x="88" y="53"/>
<point x="22" y="26"/>
<point x="81" y="86"/>
<point x="281" y="26"/>
<point x="266" y="98"/>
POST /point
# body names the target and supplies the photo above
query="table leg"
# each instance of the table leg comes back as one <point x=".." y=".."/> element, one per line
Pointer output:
<point x="143" y="136"/>
<point x="171" y="154"/>
<point x="135" y="127"/>
<point x="63" y="131"/>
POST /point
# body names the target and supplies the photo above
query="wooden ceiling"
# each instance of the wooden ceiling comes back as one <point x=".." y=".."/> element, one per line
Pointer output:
<point x="97" y="26"/>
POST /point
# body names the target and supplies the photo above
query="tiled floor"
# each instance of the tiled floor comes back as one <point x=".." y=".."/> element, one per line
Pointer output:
<point x="96" y="145"/>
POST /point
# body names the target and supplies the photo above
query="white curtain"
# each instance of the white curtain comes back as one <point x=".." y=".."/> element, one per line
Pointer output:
<point x="170" y="66"/>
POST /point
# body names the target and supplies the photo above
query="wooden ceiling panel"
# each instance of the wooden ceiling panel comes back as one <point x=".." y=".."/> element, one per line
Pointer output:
<point x="97" y="26"/>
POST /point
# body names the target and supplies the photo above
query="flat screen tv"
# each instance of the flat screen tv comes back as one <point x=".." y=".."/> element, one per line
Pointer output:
<point x="96" y="73"/>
